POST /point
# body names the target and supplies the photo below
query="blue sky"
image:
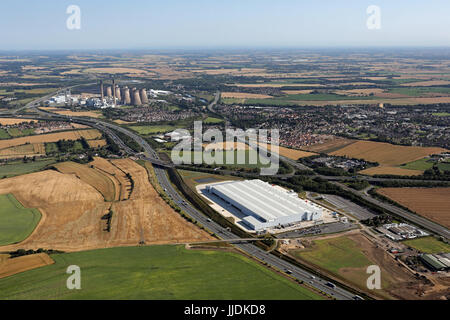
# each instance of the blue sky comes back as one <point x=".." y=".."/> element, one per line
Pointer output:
<point x="128" y="24"/>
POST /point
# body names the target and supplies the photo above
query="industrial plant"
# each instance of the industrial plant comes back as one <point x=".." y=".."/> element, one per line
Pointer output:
<point x="113" y="95"/>
<point x="264" y="205"/>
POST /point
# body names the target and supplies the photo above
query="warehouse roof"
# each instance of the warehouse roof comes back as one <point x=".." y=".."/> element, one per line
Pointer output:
<point x="265" y="200"/>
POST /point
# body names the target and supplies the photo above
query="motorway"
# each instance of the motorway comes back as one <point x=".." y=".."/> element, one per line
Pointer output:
<point x="221" y="232"/>
<point x="250" y="249"/>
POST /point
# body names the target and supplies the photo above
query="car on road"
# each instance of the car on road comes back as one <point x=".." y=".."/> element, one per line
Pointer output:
<point x="331" y="285"/>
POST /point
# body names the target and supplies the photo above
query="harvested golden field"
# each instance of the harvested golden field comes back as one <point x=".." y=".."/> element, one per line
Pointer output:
<point x="97" y="143"/>
<point x="64" y="112"/>
<point x="384" y="153"/>
<point x="226" y="146"/>
<point x="73" y="213"/>
<point x="13" y="121"/>
<point x="359" y="92"/>
<point x="297" y="91"/>
<point x="396" y="171"/>
<point x="276" y="85"/>
<point x="426" y="83"/>
<point x="29" y="150"/>
<point x="121" y="181"/>
<point x="329" y="144"/>
<point x="123" y="122"/>
<point x="71" y="210"/>
<point x="289" y="153"/>
<point x="90" y="134"/>
<point x="91" y="176"/>
<point x="146" y="216"/>
<point x="243" y="95"/>
<point x="11" y="267"/>
<point x="114" y="70"/>
<point x="242" y="71"/>
<point x="431" y="203"/>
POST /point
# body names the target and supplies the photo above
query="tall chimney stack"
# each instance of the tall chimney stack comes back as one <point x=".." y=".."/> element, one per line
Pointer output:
<point x="102" y="92"/>
<point x="114" y="91"/>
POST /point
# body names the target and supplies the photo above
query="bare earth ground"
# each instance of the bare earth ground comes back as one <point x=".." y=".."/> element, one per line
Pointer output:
<point x="432" y="203"/>
<point x="397" y="281"/>
<point x="10" y="267"/>
<point x="72" y="212"/>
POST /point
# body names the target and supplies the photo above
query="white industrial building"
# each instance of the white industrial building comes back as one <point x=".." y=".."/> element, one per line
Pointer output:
<point x="264" y="205"/>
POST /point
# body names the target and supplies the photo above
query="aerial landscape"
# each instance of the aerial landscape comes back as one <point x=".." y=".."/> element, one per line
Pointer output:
<point x="236" y="173"/>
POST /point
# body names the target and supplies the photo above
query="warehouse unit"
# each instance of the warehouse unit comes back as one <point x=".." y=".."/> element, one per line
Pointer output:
<point x="265" y="206"/>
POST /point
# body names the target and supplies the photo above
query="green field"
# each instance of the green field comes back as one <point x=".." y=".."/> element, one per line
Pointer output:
<point x="444" y="166"/>
<point x="344" y="258"/>
<point x="145" y="130"/>
<point x="428" y="245"/>
<point x="419" y="91"/>
<point x="4" y="134"/>
<point x="211" y="120"/>
<point x="244" y="155"/>
<point x="158" y="272"/>
<point x="421" y="164"/>
<point x="16" y="132"/>
<point x="441" y="114"/>
<point x="291" y="99"/>
<point x="16" y="222"/>
<point x="19" y="168"/>
<point x="334" y="254"/>
<point x="195" y="178"/>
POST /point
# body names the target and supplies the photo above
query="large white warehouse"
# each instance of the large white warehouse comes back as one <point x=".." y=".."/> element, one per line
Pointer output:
<point x="264" y="205"/>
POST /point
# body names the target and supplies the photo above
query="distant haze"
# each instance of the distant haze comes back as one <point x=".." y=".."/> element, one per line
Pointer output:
<point x="135" y="24"/>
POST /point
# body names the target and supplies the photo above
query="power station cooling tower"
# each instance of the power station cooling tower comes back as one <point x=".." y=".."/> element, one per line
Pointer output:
<point x="118" y="95"/>
<point x="136" y="99"/>
<point x="126" y="96"/>
<point x="144" y="98"/>
<point x="109" y="92"/>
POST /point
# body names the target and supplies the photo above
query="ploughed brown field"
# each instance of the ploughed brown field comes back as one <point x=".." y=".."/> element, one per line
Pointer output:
<point x="431" y="203"/>
<point x="73" y="210"/>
